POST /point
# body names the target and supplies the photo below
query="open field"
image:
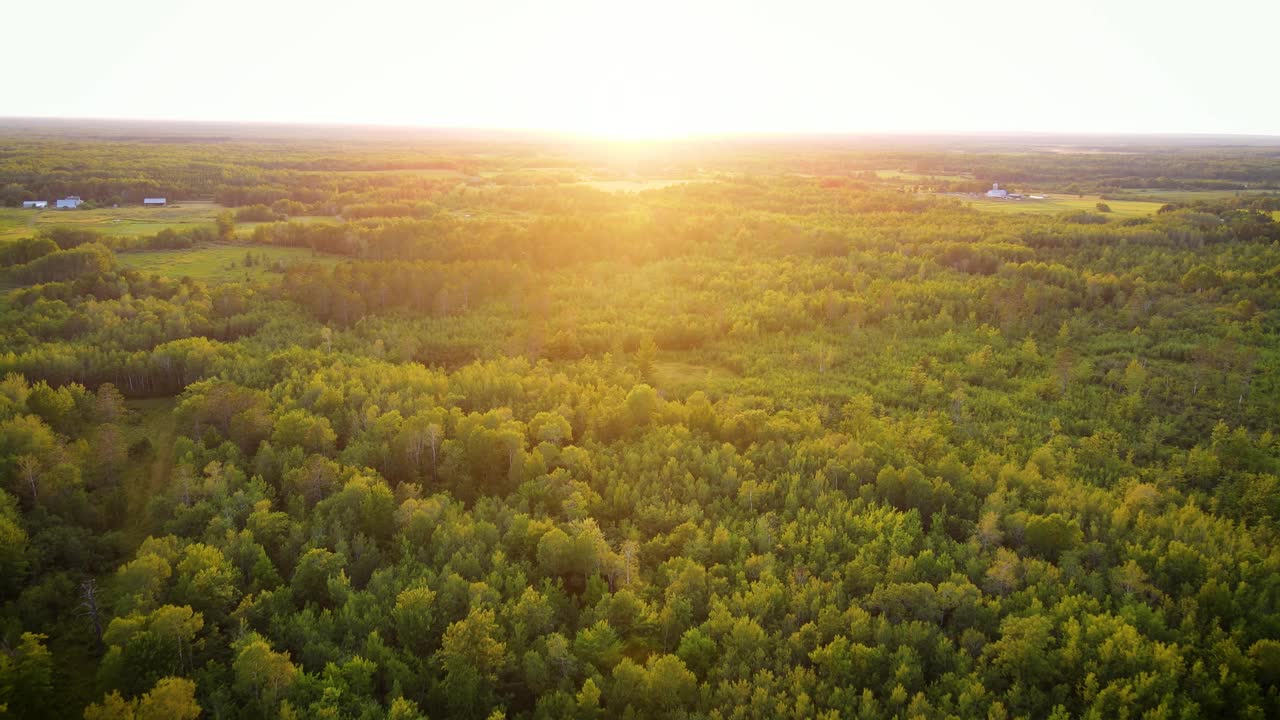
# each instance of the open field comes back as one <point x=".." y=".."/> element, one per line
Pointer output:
<point x="218" y="263"/>
<point x="124" y="221"/>
<point x="1063" y="203"/>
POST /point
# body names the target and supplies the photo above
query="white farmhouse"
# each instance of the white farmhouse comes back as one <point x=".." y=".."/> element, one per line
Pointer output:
<point x="35" y="203"/>
<point x="70" y="201"/>
<point x="996" y="192"/>
<point x="153" y="202"/>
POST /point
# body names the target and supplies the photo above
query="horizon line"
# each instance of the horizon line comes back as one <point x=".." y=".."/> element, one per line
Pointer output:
<point x="693" y="136"/>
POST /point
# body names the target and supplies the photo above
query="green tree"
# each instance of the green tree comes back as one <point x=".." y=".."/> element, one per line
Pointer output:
<point x="226" y="225"/>
<point x="670" y="683"/>
<point x="414" y="618"/>
<point x="262" y="675"/>
<point x="645" y="355"/>
<point x="1050" y="536"/>
<point x="1201" y="277"/>
<point x="598" y="645"/>
<point x="171" y="699"/>
<point x="206" y="580"/>
<point x="26" y="679"/>
<point x="471" y="655"/>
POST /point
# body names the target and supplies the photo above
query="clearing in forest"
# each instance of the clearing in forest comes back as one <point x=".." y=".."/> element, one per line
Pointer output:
<point x="219" y="262"/>
<point x="680" y="379"/>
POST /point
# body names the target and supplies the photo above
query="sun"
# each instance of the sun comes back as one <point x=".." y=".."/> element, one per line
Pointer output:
<point x="621" y="90"/>
<point x="634" y="126"/>
<point x="629" y="102"/>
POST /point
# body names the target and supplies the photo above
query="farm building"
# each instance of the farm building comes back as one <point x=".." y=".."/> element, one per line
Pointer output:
<point x="35" y="203"/>
<point x="70" y="201"/>
<point x="153" y="202"/>
<point x="997" y="192"/>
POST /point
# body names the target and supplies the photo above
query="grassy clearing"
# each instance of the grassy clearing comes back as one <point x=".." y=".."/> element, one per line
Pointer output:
<point x="680" y="379"/>
<point x="244" y="230"/>
<point x="1060" y="204"/>
<point x="153" y="422"/>
<point x="220" y="262"/>
<point x="16" y="222"/>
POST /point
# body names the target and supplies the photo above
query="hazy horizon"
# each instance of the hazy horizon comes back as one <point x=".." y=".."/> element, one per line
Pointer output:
<point x="159" y="127"/>
<point x="661" y="70"/>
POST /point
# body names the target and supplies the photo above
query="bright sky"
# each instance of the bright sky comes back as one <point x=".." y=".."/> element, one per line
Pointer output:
<point x="657" y="68"/>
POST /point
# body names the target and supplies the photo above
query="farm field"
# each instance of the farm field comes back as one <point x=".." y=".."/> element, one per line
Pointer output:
<point x="122" y="221"/>
<point x="220" y="262"/>
<point x="1059" y="204"/>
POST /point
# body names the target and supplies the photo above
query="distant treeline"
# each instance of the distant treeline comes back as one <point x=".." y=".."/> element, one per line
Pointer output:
<point x="321" y="178"/>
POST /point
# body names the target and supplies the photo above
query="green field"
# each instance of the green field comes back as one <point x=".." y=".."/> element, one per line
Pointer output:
<point x="124" y="221"/>
<point x="1063" y="203"/>
<point x="1172" y="196"/>
<point x="218" y="263"/>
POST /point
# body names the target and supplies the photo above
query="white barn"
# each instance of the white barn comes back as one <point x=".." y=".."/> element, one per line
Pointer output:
<point x="35" y="203"/>
<point x="70" y="201"/>
<point x="153" y="202"/>
<point x="997" y="192"/>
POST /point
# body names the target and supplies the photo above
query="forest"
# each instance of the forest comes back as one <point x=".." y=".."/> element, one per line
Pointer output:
<point x="796" y="430"/>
